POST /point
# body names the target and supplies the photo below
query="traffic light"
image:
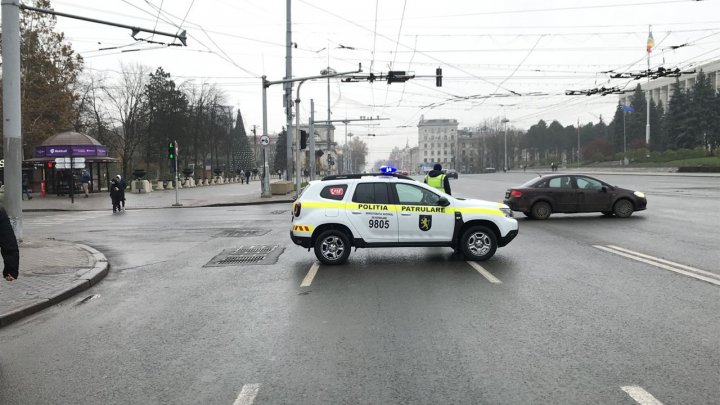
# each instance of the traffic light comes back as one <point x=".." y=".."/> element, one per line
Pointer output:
<point x="397" y="76"/>
<point x="303" y="139"/>
<point x="50" y="165"/>
<point x="171" y="150"/>
<point x="438" y="77"/>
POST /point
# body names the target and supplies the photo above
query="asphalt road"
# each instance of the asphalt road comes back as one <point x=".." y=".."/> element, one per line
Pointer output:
<point x="560" y="315"/>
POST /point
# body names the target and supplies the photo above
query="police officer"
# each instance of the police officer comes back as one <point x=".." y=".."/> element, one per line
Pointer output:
<point x="437" y="179"/>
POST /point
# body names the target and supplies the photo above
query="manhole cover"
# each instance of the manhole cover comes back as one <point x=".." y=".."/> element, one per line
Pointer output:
<point x="279" y="212"/>
<point x="240" y="232"/>
<point x="253" y="254"/>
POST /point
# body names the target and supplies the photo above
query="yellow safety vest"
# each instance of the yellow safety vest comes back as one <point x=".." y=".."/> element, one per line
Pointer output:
<point x="437" y="182"/>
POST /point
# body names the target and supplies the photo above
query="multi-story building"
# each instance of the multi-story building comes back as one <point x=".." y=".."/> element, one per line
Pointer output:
<point x="437" y="142"/>
<point x="661" y="89"/>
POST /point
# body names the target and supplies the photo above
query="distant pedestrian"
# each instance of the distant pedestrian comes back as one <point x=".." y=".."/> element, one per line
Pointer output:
<point x="117" y="193"/>
<point x="26" y="187"/>
<point x="242" y="176"/>
<point x="85" y="178"/>
<point x="247" y="175"/>
<point x="8" y="247"/>
<point x="122" y="186"/>
<point x="279" y="173"/>
<point x="255" y="173"/>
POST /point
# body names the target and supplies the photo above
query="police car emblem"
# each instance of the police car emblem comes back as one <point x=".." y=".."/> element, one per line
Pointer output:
<point x="425" y="222"/>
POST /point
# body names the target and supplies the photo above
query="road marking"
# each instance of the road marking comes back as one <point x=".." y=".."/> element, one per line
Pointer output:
<point x="247" y="394"/>
<point x="664" y="264"/>
<point x="640" y="396"/>
<point x="310" y="276"/>
<point x="484" y="273"/>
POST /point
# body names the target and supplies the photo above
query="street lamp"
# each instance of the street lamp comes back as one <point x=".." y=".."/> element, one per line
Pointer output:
<point x="505" y="121"/>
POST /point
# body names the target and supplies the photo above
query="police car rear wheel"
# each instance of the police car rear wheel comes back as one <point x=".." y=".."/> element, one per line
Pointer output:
<point x="478" y="243"/>
<point x="332" y="247"/>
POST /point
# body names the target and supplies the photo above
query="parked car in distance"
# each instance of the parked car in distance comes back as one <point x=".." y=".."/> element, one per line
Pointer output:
<point x="572" y="193"/>
<point x="489" y="170"/>
<point x="451" y="173"/>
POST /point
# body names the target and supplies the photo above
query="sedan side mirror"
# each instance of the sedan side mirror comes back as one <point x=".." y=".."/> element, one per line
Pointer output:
<point x="443" y="202"/>
<point x="604" y="189"/>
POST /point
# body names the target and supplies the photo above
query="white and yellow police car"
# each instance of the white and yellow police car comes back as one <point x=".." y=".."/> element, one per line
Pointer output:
<point x="388" y="210"/>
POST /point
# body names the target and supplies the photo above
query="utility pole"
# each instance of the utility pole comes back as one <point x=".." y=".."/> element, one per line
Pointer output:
<point x="311" y="153"/>
<point x="12" y="138"/>
<point x="579" y="156"/>
<point x="505" y="121"/>
<point x="651" y="43"/>
<point x="288" y="89"/>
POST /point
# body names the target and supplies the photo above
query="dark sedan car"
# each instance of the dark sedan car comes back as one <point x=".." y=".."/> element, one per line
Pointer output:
<point x="572" y="193"/>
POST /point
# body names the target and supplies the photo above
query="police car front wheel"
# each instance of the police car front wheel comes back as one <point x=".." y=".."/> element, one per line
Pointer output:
<point x="478" y="243"/>
<point x="332" y="247"/>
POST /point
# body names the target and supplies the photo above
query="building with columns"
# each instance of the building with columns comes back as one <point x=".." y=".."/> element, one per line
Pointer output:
<point x="661" y="89"/>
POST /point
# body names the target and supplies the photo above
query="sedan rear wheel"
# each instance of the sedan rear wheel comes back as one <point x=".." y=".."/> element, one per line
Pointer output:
<point x="623" y="208"/>
<point x="541" y="210"/>
<point x="478" y="243"/>
<point x="332" y="247"/>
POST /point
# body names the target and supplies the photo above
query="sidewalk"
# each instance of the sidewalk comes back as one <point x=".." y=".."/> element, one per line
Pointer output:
<point x="53" y="270"/>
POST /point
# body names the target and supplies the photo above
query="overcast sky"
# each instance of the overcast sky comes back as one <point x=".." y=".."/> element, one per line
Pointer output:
<point x="500" y="58"/>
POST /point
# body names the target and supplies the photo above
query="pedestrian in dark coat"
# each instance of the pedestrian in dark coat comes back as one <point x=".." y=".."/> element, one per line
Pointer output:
<point x="122" y="186"/>
<point x="247" y="175"/>
<point x="8" y="247"/>
<point x="115" y="195"/>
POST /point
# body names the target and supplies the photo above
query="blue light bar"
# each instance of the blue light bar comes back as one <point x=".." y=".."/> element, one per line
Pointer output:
<point x="387" y="169"/>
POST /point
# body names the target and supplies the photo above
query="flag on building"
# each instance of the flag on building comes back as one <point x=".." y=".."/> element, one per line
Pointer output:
<point x="650" y="42"/>
<point x="628" y="108"/>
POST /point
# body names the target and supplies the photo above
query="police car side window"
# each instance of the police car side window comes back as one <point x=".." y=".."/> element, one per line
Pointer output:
<point x="413" y="195"/>
<point x="334" y="192"/>
<point x="371" y="193"/>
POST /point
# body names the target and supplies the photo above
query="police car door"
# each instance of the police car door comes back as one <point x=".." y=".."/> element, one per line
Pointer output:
<point x="372" y="214"/>
<point x="421" y="218"/>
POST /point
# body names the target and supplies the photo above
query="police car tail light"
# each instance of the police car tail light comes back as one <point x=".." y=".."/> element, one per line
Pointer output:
<point x="516" y="193"/>
<point x="296" y="209"/>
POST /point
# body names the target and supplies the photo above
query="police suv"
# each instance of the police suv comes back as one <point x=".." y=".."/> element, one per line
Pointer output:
<point x="389" y="210"/>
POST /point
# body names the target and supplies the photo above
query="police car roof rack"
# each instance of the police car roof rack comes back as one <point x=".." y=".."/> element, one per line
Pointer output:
<point x="361" y="175"/>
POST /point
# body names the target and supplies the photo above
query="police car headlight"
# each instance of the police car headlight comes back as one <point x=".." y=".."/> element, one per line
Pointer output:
<point x="507" y="212"/>
<point x="639" y="194"/>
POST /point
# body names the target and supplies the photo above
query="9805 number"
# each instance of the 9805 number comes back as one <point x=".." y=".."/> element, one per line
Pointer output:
<point x="379" y="223"/>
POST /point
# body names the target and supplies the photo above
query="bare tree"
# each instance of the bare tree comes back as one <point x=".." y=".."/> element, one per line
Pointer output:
<point x="125" y="102"/>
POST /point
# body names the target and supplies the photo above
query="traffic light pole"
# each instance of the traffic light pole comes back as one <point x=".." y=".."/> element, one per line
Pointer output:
<point x="177" y="181"/>
<point x="265" y="84"/>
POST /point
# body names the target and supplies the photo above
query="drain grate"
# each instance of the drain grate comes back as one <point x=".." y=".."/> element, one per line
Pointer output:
<point x="238" y="233"/>
<point x="254" y="254"/>
<point x="241" y="259"/>
<point x="259" y="249"/>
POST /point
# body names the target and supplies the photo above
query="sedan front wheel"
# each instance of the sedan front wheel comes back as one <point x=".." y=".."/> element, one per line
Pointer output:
<point x="623" y="208"/>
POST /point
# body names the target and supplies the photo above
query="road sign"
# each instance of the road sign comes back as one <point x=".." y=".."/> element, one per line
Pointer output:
<point x="264" y="140"/>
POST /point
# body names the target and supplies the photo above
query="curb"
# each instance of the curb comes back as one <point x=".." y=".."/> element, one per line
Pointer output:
<point x="215" y="205"/>
<point x="86" y="279"/>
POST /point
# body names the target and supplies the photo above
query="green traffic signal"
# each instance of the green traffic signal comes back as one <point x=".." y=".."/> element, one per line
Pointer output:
<point x="171" y="150"/>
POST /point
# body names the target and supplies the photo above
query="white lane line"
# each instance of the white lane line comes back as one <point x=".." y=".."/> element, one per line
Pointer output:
<point x="484" y="273"/>
<point x="668" y="262"/>
<point x="310" y="276"/>
<point x="660" y="265"/>
<point x="247" y="394"/>
<point x="640" y="396"/>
